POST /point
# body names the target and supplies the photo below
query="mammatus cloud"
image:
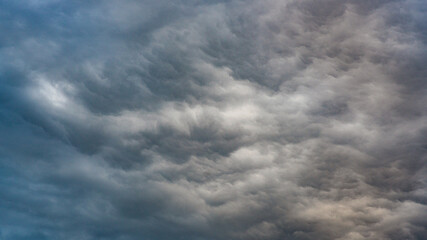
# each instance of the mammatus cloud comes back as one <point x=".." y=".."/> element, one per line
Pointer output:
<point x="213" y="120"/>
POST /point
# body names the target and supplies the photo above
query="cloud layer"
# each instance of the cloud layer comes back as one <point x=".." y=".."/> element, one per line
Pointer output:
<point x="204" y="120"/>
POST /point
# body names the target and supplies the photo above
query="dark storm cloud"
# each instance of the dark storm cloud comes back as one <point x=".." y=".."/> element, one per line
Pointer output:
<point x="213" y="119"/>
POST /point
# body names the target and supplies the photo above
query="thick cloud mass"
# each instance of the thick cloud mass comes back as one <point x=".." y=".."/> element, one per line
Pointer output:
<point x="211" y="120"/>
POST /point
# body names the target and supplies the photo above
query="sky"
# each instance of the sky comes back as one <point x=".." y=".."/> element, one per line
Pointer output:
<point x="213" y="120"/>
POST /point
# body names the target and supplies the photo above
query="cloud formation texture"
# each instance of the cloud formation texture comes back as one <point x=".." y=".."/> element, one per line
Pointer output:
<point x="212" y="120"/>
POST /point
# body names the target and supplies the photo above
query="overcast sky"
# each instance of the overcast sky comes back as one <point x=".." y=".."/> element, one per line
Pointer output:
<point x="213" y="120"/>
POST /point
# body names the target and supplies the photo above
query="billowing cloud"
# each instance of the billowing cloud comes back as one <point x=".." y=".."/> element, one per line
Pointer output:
<point x="204" y="120"/>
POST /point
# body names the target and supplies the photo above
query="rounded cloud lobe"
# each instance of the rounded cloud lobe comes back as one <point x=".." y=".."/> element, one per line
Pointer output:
<point x="213" y="120"/>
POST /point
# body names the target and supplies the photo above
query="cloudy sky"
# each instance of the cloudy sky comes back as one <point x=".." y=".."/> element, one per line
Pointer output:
<point x="213" y="120"/>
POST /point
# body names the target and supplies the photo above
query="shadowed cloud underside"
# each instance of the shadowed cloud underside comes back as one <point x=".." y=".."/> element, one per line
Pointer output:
<point x="212" y="120"/>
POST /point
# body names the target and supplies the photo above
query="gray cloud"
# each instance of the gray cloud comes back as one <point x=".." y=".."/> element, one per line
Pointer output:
<point x="213" y="120"/>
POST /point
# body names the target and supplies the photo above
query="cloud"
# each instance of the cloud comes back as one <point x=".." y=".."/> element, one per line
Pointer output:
<point x="213" y="120"/>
